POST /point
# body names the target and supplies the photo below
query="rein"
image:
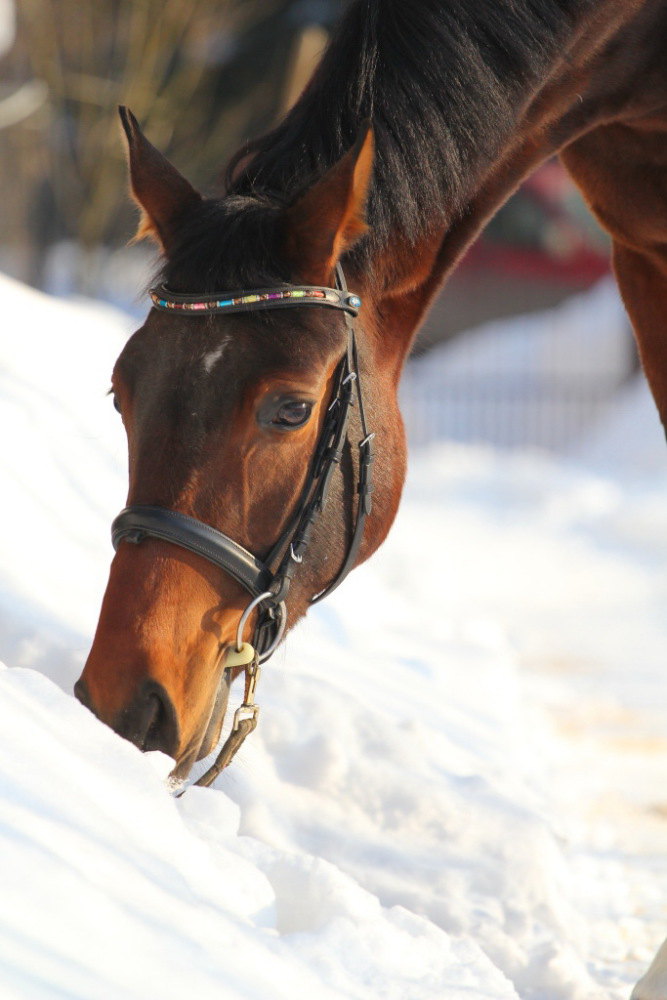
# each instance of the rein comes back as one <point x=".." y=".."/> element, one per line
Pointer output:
<point x="268" y="581"/>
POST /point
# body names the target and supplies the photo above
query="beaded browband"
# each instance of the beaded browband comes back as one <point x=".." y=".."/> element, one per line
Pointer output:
<point x="262" y="298"/>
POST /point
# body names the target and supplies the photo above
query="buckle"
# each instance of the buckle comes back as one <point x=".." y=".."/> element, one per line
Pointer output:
<point x="245" y="721"/>
<point x="245" y="713"/>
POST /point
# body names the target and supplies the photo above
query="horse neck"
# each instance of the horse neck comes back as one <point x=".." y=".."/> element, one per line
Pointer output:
<point x="465" y="100"/>
<point x="581" y="88"/>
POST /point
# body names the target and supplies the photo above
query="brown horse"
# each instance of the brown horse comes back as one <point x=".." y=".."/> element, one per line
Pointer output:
<point x="226" y="409"/>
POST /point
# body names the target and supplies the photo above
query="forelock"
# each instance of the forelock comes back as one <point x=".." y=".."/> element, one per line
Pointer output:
<point x="227" y="244"/>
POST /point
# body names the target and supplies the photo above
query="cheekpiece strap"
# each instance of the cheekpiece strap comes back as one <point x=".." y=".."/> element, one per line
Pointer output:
<point x="261" y="298"/>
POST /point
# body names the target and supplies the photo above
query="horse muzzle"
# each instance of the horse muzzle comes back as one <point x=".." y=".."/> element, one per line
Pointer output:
<point x="149" y="721"/>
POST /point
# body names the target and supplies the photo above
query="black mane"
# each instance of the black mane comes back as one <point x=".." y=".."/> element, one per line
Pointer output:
<point x="442" y="82"/>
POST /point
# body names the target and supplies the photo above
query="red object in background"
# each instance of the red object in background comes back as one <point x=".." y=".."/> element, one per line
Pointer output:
<point x="581" y="269"/>
<point x="544" y="232"/>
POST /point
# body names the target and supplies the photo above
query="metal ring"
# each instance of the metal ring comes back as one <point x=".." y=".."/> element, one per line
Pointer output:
<point x="246" y="614"/>
<point x="279" y="634"/>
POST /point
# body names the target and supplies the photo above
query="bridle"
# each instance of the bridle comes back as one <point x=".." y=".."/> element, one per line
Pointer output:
<point x="268" y="580"/>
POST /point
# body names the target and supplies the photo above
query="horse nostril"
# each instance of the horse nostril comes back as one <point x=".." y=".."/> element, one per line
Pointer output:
<point x="160" y="731"/>
<point x="81" y="692"/>
<point x="150" y="721"/>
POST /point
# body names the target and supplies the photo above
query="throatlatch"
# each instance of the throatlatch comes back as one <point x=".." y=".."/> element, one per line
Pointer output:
<point x="267" y="585"/>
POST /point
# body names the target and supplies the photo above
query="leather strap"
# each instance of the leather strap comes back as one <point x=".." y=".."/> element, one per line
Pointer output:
<point x="140" y="521"/>
<point x="278" y="297"/>
<point x="366" y="460"/>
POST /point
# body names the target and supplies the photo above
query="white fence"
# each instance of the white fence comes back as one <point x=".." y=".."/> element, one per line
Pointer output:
<point x="542" y="380"/>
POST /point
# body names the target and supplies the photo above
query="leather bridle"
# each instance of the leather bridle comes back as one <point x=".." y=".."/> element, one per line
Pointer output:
<point x="268" y="580"/>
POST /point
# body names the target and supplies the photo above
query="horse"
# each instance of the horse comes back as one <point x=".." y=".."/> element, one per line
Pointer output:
<point x="266" y="448"/>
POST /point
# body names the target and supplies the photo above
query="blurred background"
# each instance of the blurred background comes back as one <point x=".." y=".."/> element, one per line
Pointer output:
<point x="203" y="76"/>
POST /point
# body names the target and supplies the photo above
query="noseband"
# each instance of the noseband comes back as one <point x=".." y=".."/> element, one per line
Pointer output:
<point x="268" y="581"/>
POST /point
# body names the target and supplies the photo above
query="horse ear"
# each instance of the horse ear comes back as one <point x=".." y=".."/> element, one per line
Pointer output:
<point x="330" y="217"/>
<point x="162" y="194"/>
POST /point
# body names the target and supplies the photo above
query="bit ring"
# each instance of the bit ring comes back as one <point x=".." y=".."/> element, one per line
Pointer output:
<point x="246" y="614"/>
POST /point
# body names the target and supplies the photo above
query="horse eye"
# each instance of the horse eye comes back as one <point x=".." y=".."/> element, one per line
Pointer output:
<point x="295" y="413"/>
<point x="116" y="404"/>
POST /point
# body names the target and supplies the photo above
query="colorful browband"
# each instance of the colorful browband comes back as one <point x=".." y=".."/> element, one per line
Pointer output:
<point x="261" y="298"/>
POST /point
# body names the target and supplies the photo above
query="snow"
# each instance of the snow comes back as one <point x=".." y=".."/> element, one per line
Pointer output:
<point x="455" y="789"/>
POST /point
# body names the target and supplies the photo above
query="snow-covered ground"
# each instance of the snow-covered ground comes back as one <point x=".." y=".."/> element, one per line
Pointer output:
<point x="456" y="789"/>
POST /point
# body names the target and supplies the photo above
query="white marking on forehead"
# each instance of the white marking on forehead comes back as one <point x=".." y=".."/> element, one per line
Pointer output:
<point x="212" y="357"/>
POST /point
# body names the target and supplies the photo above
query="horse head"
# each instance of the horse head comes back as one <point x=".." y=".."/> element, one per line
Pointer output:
<point x="223" y="412"/>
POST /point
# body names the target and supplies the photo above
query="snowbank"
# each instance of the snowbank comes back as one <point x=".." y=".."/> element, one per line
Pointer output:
<point x="424" y="811"/>
<point x="63" y="474"/>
